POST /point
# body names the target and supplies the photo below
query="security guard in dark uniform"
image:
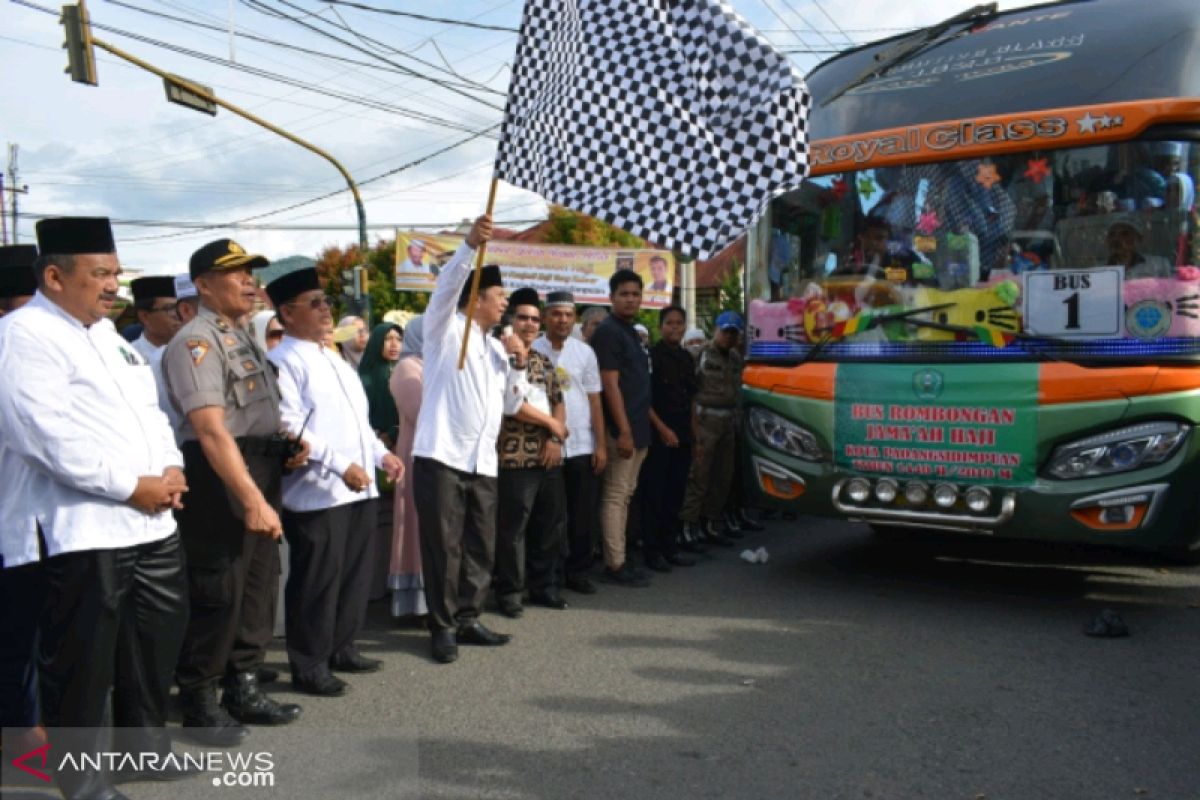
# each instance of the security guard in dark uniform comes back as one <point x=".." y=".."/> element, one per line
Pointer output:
<point x="714" y="426"/>
<point x="222" y="385"/>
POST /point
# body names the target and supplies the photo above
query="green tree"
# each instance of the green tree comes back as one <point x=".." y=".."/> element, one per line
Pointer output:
<point x="571" y="227"/>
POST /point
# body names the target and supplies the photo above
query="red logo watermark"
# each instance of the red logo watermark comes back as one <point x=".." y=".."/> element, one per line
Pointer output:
<point x="42" y="754"/>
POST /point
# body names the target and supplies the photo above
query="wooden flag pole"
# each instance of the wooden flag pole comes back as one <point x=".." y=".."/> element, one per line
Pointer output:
<point x="462" y="353"/>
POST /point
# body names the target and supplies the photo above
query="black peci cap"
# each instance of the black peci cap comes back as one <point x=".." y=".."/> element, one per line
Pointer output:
<point x="152" y="286"/>
<point x="290" y="284"/>
<point x="524" y="297"/>
<point x="222" y="255"/>
<point x="73" y="236"/>
<point x="489" y="277"/>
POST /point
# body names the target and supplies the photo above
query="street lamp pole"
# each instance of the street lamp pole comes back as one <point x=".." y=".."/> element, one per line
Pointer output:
<point x="82" y="69"/>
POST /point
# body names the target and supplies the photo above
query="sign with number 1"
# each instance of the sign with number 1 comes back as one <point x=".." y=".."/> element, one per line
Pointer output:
<point x="1083" y="303"/>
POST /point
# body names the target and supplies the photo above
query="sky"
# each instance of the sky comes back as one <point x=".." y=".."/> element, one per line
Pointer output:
<point x="121" y="150"/>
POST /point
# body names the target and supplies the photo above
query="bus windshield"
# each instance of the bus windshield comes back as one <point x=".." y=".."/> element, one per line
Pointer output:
<point x="1080" y="253"/>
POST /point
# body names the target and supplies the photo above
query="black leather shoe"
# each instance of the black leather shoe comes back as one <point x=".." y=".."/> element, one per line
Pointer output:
<point x="681" y="561"/>
<point x="580" y="585"/>
<point x="445" y="646"/>
<point x="548" y="600"/>
<point x="474" y="632"/>
<point x="246" y="703"/>
<point x="355" y="662"/>
<point x="510" y="608"/>
<point x="266" y="675"/>
<point x="624" y="577"/>
<point x="204" y="720"/>
<point x="321" y="685"/>
<point x="658" y="564"/>
<point x="695" y="548"/>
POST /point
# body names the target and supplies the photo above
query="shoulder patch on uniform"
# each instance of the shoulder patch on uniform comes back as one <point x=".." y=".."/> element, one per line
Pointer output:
<point x="198" y="349"/>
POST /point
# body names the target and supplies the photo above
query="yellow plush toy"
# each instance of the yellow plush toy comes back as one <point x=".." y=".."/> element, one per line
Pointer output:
<point x="993" y="307"/>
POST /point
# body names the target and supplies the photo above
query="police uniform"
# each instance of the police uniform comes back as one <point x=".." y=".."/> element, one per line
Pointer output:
<point x="233" y="575"/>
<point x="719" y="379"/>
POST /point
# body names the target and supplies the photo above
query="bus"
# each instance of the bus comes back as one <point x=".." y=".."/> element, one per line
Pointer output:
<point x="981" y="312"/>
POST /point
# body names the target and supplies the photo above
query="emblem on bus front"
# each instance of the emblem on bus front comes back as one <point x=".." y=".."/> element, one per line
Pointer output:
<point x="928" y="383"/>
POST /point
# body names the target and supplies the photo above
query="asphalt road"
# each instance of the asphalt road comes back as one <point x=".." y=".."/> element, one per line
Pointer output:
<point x="846" y="667"/>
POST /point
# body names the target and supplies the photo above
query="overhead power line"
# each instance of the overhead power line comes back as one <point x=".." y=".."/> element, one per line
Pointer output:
<point x="393" y="12"/>
<point x="202" y="226"/>
<point x="267" y="74"/>
<point x="263" y="8"/>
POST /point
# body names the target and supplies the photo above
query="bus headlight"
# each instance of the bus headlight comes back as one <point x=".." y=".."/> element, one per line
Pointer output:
<point x="1122" y="450"/>
<point x="783" y="435"/>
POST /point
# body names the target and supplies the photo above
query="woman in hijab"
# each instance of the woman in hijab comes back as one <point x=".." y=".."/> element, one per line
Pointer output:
<point x="378" y="358"/>
<point x="266" y="330"/>
<point x="408" y="588"/>
<point x="375" y="370"/>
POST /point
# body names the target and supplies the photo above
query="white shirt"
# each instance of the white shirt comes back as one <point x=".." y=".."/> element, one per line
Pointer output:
<point x="18" y="522"/>
<point x="143" y="346"/>
<point x="313" y="378"/>
<point x="78" y="406"/>
<point x="579" y="376"/>
<point x="461" y="409"/>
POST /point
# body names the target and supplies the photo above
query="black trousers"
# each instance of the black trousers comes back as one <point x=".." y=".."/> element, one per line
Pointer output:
<point x="233" y="576"/>
<point x="22" y="597"/>
<point x="113" y="620"/>
<point x="582" y="497"/>
<point x="330" y="559"/>
<point x="456" y="512"/>
<point x="664" y="478"/>
<point x="530" y="531"/>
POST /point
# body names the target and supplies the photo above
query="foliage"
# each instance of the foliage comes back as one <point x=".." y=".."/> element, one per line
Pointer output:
<point x="730" y="297"/>
<point x="381" y="279"/>
<point x="570" y="227"/>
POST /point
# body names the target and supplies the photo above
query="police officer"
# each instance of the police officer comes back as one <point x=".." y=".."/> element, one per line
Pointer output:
<point x="714" y="427"/>
<point x="220" y="384"/>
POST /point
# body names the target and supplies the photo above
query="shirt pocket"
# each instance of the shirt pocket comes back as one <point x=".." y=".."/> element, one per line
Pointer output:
<point x="249" y="380"/>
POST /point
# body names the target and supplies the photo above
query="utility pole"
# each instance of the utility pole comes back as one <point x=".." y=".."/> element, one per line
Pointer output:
<point x="82" y="68"/>
<point x="3" y="219"/>
<point x="13" y="188"/>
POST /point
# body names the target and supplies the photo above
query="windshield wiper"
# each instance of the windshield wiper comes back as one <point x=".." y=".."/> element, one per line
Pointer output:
<point x="912" y="45"/>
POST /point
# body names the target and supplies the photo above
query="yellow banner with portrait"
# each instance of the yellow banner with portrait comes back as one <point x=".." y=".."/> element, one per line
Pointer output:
<point x="583" y="271"/>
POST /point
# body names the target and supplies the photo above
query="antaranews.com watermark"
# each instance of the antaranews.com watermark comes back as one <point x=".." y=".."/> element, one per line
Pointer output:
<point x="296" y="762"/>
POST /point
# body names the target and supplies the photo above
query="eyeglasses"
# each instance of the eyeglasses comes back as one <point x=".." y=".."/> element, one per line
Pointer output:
<point x="317" y="302"/>
<point x="526" y="318"/>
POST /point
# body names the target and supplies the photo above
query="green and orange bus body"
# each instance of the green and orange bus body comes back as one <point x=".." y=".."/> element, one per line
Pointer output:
<point x="981" y="313"/>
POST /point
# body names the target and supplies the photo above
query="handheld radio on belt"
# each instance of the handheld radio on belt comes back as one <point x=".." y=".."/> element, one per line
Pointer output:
<point x="293" y="447"/>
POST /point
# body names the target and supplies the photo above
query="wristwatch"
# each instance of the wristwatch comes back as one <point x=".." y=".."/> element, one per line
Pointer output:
<point x="556" y="439"/>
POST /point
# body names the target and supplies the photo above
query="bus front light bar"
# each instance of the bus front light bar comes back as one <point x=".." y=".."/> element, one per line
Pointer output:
<point x="783" y="435"/>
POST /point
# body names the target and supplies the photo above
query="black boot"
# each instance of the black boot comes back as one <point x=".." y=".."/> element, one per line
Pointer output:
<point x="733" y="525"/>
<point x="247" y="704"/>
<point x="206" y="722"/>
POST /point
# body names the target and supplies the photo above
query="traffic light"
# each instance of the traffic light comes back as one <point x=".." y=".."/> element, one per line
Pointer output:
<point x="81" y="61"/>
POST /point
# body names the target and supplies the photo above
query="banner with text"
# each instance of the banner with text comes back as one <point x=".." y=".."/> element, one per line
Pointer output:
<point x="546" y="267"/>
<point x="961" y="423"/>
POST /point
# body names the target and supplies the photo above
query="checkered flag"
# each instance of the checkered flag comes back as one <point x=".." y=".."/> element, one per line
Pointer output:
<point x="671" y="119"/>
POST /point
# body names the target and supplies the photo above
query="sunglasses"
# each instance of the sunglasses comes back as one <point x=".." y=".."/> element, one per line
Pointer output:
<point x="317" y="302"/>
<point x="526" y="318"/>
